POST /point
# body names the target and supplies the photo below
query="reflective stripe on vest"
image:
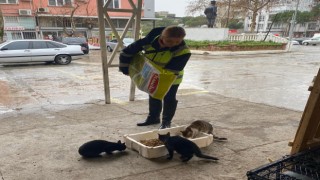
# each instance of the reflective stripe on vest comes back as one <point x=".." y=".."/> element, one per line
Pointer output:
<point x="162" y="58"/>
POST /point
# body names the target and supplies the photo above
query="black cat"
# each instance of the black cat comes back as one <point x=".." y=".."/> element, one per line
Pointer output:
<point x="94" y="148"/>
<point x="184" y="147"/>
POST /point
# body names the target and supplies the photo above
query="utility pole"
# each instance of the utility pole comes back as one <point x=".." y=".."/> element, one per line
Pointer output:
<point x="293" y="21"/>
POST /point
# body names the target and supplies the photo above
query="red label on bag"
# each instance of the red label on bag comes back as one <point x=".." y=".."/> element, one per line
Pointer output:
<point x="153" y="83"/>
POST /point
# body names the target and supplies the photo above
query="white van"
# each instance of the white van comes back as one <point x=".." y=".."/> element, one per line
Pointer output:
<point x="316" y="35"/>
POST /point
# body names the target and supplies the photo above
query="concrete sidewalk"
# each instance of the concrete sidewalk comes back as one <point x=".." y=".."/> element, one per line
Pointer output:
<point x="43" y="143"/>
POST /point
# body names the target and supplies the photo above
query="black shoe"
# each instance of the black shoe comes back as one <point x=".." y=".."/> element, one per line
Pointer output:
<point x="165" y="125"/>
<point x="149" y="121"/>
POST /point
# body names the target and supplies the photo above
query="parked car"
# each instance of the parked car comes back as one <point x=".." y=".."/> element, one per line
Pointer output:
<point x="112" y="44"/>
<point x="32" y="50"/>
<point x="300" y="40"/>
<point x="82" y="41"/>
<point x="312" y="41"/>
<point x="294" y="42"/>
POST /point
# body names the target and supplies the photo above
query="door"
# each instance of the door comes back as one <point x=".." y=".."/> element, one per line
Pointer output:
<point x="41" y="52"/>
<point x="16" y="51"/>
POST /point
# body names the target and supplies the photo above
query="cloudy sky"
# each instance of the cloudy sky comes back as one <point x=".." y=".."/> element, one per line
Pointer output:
<point x="177" y="7"/>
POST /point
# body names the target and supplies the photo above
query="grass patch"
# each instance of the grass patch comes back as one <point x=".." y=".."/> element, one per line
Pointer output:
<point x="203" y="44"/>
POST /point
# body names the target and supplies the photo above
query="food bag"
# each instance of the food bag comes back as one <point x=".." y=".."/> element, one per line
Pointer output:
<point x="149" y="77"/>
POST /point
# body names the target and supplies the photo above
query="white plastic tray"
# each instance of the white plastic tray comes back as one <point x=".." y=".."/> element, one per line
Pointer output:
<point x="133" y="141"/>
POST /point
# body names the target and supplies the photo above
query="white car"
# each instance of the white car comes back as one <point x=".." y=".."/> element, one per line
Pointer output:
<point x="294" y="42"/>
<point x="312" y="41"/>
<point x="32" y="50"/>
<point x="112" y="44"/>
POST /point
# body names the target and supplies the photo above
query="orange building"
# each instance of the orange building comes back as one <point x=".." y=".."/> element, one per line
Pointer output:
<point x="37" y="19"/>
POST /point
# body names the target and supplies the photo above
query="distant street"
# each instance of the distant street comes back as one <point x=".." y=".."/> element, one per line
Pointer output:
<point x="275" y="79"/>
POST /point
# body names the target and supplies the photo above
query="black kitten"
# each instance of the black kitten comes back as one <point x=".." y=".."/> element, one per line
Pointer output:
<point x="96" y="147"/>
<point x="184" y="147"/>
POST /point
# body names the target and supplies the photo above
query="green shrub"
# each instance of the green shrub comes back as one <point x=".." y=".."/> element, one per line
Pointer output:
<point x="203" y="44"/>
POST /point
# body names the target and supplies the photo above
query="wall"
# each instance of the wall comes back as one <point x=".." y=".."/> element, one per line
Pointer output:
<point x="211" y="34"/>
<point x="149" y="9"/>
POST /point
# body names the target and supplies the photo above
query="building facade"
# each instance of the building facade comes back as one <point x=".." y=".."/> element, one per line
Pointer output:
<point x="47" y="19"/>
<point x="263" y="21"/>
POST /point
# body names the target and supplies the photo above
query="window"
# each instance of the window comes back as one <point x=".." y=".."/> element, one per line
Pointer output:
<point x="39" y="45"/>
<point x="269" y="25"/>
<point x="312" y="26"/>
<point x="261" y="18"/>
<point x="17" y="45"/>
<point x="55" y="45"/>
<point x="11" y="19"/>
<point x="260" y="26"/>
<point x="29" y="35"/>
<point x="113" y="4"/>
<point x="59" y="2"/>
<point x="8" y="2"/>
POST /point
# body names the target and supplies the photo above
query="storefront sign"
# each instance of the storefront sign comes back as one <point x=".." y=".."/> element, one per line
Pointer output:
<point x="14" y="28"/>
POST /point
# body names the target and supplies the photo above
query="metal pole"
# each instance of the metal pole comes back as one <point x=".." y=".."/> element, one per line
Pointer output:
<point x="103" y="48"/>
<point x="292" y="26"/>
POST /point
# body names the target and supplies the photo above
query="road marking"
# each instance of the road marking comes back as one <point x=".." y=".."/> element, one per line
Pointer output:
<point x="71" y="74"/>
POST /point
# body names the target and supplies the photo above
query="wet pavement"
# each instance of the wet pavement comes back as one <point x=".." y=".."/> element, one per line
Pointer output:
<point x="275" y="79"/>
<point x="48" y="111"/>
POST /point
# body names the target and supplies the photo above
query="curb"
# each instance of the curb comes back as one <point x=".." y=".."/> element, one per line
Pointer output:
<point x="233" y="53"/>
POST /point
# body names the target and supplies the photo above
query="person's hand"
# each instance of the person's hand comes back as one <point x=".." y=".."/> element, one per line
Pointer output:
<point x="124" y="70"/>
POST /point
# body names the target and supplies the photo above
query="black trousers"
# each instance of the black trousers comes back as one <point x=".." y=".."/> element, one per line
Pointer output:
<point x="155" y="105"/>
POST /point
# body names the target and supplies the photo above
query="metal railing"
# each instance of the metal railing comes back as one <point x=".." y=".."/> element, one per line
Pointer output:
<point x="256" y="37"/>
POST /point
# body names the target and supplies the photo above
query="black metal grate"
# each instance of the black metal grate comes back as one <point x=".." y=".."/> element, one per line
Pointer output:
<point x="301" y="166"/>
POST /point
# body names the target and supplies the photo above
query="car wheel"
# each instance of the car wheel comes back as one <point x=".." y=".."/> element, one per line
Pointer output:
<point x="306" y="44"/>
<point x="109" y="49"/>
<point x="62" y="59"/>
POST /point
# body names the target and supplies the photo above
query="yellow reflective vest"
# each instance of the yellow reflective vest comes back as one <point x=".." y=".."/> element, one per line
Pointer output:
<point x="162" y="58"/>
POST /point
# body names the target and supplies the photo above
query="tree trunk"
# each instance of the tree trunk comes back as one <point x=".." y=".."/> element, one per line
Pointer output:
<point x="254" y="16"/>
<point x="1" y="26"/>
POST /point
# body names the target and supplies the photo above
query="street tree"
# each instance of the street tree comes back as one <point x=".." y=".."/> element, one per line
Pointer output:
<point x="68" y="19"/>
<point x="194" y="21"/>
<point x="229" y="10"/>
<point x="1" y="26"/>
<point x="253" y="7"/>
<point x="286" y="17"/>
<point x="235" y="24"/>
<point x="316" y="12"/>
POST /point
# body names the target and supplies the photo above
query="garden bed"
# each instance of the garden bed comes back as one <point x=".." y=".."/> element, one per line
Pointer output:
<point x="235" y="46"/>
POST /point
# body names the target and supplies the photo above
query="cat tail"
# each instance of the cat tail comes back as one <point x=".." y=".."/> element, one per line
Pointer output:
<point x="216" y="138"/>
<point x="200" y="155"/>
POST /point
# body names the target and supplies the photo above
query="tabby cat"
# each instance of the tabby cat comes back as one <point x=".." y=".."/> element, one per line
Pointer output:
<point x="198" y="126"/>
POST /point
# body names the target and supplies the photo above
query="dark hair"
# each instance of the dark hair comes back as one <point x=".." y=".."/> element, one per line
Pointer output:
<point x="175" y="32"/>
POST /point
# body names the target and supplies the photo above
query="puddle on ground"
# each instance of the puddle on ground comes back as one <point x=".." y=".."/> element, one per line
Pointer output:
<point x="11" y="98"/>
<point x="4" y="110"/>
